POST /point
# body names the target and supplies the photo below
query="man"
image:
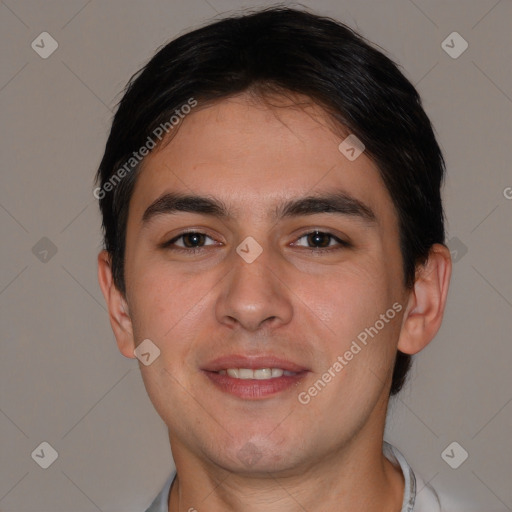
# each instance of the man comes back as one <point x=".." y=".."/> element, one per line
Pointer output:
<point x="274" y="255"/>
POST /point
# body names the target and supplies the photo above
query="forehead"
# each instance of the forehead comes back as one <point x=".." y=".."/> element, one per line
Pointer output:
<point x="253" y="155"/>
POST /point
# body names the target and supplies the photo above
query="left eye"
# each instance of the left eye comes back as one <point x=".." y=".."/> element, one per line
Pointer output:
<point x="321" y="239"/>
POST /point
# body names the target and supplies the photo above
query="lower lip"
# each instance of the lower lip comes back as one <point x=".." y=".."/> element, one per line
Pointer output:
<point x="254" y="389"/>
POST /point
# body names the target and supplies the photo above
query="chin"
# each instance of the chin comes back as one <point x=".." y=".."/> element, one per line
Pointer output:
<point x="259" y="456"/>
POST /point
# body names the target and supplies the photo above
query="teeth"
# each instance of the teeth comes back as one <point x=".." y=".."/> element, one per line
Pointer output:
<point x="259" y="374"/>
<point x="264" y="373"/>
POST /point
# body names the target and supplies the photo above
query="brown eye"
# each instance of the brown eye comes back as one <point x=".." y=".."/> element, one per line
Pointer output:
<point x="191" y="241"/>
<point x="322" y="240"/>
<point x="318" y="238"/>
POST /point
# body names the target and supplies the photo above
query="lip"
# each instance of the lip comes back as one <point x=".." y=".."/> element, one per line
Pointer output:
<point x="253" y="389"/>
<point x="252" y="362"/>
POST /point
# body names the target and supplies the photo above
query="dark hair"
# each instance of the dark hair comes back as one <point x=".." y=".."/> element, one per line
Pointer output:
<point x="283" y="50"/>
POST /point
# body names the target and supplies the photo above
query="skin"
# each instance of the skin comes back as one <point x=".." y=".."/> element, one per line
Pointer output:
<point x="304" y="307"/>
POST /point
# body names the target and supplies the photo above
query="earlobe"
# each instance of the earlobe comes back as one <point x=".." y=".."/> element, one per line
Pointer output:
<point x="427" y="300"/>
<point x="118" y="311"/>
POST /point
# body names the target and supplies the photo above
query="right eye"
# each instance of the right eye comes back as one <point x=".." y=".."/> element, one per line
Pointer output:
<point x="192" y="242"/>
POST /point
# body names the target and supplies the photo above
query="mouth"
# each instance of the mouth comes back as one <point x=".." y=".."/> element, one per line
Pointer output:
<point x="258" y="374"/>
<point x="254" y="378"/>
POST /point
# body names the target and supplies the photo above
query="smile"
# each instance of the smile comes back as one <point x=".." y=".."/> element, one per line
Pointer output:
<point x="258" y="374"/>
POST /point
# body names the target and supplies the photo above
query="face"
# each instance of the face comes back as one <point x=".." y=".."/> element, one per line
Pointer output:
<point x="265" y="281"/>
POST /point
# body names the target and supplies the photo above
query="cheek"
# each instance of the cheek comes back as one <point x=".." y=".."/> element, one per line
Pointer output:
<point x="348" y="297"/>
<point x="170" y="307"/>
<point x="348" y="307"/>
<point x="157" y="299"/>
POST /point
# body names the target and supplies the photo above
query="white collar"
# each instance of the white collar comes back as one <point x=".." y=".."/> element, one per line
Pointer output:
<point x="418" y="496"/>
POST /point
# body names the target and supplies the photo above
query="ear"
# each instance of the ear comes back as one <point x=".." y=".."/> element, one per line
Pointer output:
<point x="427" y="300"/>
<point x="117" y="307"/>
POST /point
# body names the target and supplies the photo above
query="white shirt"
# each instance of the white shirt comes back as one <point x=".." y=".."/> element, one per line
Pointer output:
<point x="418" y="496"/>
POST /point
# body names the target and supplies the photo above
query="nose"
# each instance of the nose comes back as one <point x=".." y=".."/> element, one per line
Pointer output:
<point x="255" y="295"/>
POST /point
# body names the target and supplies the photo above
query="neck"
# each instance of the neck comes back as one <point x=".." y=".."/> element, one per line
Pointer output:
<point x="358" y="477"/>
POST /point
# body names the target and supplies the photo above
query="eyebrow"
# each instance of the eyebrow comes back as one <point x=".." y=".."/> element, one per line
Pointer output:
<point x="337" y="202"/>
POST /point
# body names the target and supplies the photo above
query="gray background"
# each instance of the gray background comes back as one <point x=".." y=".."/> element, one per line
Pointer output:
<point x="63" y="380"/>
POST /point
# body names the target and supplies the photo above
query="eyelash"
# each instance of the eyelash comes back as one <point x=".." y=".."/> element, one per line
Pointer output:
<point x="194" y="250"/>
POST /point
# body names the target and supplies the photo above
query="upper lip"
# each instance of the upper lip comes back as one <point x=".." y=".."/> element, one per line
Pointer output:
<point x="252" y="362"/>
